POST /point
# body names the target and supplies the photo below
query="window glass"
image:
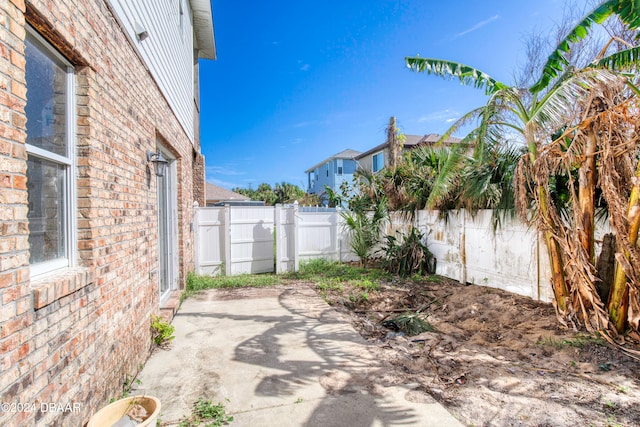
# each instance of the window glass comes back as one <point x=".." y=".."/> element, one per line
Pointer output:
<point x="46" y="186"/>
<point x="378" y="162"/>
<point x="46" y="107"/>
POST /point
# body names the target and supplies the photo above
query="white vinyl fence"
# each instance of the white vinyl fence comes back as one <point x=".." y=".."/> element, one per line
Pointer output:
<point x="261" y="239"/>
<point x="240" y="239"/>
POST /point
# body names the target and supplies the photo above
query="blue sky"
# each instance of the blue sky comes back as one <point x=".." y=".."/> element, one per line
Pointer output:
<point x="298" y="81"/>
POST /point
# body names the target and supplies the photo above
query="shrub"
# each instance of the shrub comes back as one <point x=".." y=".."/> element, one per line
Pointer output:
<point x="407" y="255"/>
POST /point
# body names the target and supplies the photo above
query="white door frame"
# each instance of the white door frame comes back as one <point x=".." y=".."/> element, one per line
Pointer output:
<point x="170" y="248"/>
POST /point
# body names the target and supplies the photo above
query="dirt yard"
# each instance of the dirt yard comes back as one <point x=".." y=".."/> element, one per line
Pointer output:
<point x="495" y="358"/>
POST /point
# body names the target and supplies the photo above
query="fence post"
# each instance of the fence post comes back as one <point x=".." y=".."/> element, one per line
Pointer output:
<point x="227" y="240"/>
<point x="463" y="249"/>
<point x="296" y="246"/>
<point x="196" y="238"/>
<point x="279" y="236"/>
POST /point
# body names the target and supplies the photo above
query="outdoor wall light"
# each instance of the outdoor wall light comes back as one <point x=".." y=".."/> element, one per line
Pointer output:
<point x="158" y="160"/>
<point x="141" y="33"/>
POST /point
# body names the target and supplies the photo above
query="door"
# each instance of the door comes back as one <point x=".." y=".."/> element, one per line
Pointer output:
<point x="167" y="231"/>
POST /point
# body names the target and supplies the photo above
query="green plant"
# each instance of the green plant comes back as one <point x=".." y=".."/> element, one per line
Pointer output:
<point x="205" y="411"/>
<point x="127" y="385"/>
<point x="197" y="283"/>
<point x="579" y="341"/>
<point x="161" y="332"/>
<point x="410" y="323"/>
<point x="407" y="255"/>
<point x="365" y="228"/>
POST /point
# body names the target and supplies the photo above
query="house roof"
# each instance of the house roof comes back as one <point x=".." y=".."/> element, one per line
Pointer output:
<point x="203" y="28"/>
<point x="215" y="193"/>
<point x="348" y="154"/>
<point x="410" y="142"/>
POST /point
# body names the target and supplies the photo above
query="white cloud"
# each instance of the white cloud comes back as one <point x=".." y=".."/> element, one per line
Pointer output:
<point x="477" y="26"/>
<point x="447" y="116"/>
<point x="223" y="170"/>
<point x="305" y="67"/>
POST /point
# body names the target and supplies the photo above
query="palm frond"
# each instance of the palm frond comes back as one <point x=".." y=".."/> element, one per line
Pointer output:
<point x="467" y="75"/>
<point x="552" y="111"/>
<point x="620" y="61"/>
<point x="627" y="10"/>
<point x="557" y="63"/>
<point x="448" y="175"/>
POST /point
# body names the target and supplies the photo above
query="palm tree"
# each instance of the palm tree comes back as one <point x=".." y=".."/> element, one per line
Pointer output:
<point x="624" y="60"/>
<point x="534" y="115"/>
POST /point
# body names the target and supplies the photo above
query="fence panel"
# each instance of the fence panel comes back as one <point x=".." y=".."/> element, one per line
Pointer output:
<point x="506" y="258"/>
<point x="251" y="240"/>
<point x="317" y="235"/>
<point x="444" y="241"/>
<point x="210" y="240"/>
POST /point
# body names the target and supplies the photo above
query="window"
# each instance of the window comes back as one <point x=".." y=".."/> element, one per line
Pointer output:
<point x="327" y="168"/>
<point x="378" y="161"/>
<point x="339" y="166"/>
<point x="50" y="156"/>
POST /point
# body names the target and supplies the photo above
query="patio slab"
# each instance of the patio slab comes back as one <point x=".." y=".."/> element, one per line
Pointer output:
<point x="278" y="357"/>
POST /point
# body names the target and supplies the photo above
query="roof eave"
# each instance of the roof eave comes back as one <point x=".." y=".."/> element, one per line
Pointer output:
<point x="203" y="28"/>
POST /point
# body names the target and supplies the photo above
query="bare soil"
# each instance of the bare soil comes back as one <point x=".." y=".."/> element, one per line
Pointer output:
<point x="495" y="358"/>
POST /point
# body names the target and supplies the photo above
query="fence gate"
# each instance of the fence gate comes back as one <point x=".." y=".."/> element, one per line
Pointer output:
<point x="250" y="247"/>
<point x="240" y="239"/>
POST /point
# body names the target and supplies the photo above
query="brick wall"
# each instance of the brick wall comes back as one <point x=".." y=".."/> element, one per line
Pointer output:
<point x="72" y="338"/>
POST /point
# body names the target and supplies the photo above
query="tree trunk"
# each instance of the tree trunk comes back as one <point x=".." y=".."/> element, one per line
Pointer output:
<point x="558" y="284"/>
<point x="392" y="140"/>
<point x="606" y="266"/>
<point x="560" y="290"/>
<point x="586" y="194"/>
<point x="619" y="298"/>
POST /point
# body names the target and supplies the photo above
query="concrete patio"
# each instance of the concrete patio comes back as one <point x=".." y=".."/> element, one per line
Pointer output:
<point x="278" y="357"/>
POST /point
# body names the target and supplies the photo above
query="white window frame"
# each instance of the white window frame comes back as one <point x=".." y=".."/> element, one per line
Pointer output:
<point x="339" y="167"/>
<point x="378" y="155"/>
<point x="69" y="226"/>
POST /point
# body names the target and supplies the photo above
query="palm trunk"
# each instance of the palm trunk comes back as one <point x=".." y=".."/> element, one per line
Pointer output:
<point x="586" y="195"/>
<point x="560" y="291"/>
<point x="619" y="297"/>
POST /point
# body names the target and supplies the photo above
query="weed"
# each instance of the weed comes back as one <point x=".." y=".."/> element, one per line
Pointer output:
<point x="205" y="411"/>
<point x="321" y="269"/>
<point x="161" y="332"/>
<point x="126" y="388"/>
<point x="579" y="341"/>
<point x="298" y="400"/>
<point x="197" y="283"/>
<point x="623" y="389"/>
<point x="366" y="285"/>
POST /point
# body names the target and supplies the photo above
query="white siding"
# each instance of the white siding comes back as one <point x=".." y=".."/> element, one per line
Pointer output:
<point x="167" y="52"/>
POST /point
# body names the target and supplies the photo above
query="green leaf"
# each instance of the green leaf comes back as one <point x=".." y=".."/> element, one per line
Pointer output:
<point x="467" y="75"/>
<point x="557" y="63"/>
<point x="622" y="60"/>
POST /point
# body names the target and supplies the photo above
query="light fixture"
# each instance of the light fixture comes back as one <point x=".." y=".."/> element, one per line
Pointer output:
<point x="141" y="33"/>
<point x="158" y="160"/>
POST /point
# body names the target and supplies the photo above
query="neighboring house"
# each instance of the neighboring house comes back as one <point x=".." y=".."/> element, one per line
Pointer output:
<point x="218" y="196"/>
<point x="93" y="94"/>
<point x="377" y="158"/>
<point x="332" y="172"/>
